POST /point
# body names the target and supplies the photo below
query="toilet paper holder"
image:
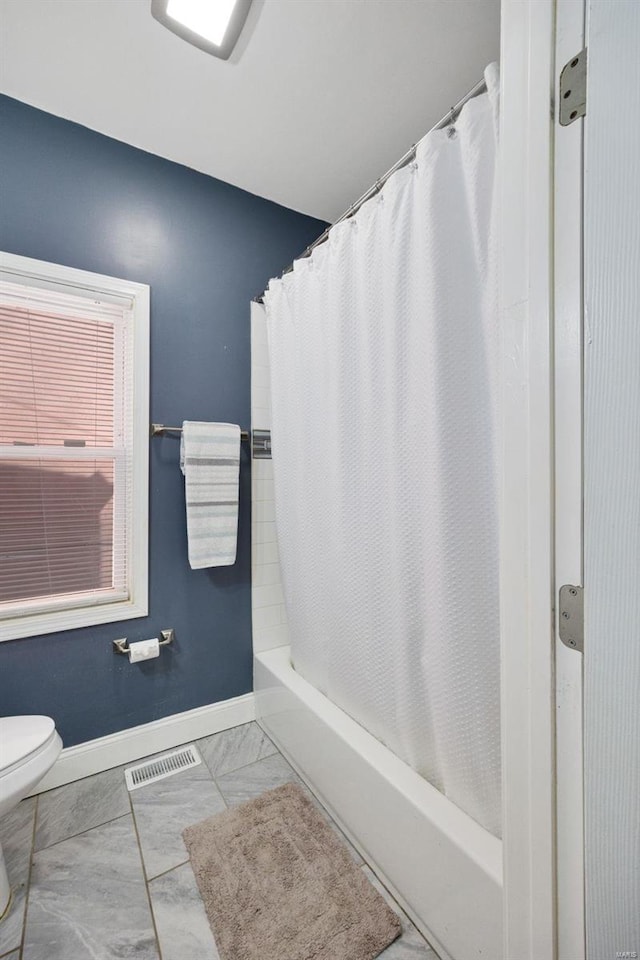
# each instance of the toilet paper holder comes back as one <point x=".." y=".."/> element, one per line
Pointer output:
<point x="122" y="646"/>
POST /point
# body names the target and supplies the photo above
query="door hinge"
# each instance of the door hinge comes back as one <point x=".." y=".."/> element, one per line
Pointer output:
<point x="571" y="620"/>
<point x="573" y="89"/>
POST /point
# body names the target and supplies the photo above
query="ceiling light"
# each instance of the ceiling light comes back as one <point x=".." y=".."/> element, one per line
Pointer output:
<point x="212" y="25"/>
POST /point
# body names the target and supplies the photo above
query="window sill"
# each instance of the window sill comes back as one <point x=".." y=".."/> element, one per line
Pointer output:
<point x="54" y="622"/>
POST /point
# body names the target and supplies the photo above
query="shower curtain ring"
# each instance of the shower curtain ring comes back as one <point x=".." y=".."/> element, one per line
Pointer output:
<point x="451" y="130"/>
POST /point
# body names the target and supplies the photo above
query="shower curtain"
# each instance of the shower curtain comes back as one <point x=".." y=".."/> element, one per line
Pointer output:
<point x="385" y="434"/>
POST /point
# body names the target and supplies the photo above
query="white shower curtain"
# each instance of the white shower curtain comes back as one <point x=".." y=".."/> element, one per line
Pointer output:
<point x="384" y="357"/>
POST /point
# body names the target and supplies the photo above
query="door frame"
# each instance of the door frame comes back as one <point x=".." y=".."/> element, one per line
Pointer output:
<point x="541" y="909"/>
<point x="569" y="509"/>
<point x="527" y="498"/>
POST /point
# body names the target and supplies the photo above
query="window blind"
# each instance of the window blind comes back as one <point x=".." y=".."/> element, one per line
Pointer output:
<point x="65" y="449"/>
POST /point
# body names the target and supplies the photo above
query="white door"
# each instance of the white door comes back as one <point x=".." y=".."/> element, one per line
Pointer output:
<point x="612" y="480"/>
<point x="597" y="461"/>
<point x="571" y="482"/>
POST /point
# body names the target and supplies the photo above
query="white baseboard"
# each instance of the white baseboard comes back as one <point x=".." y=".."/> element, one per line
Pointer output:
<point x="91" y="757"/>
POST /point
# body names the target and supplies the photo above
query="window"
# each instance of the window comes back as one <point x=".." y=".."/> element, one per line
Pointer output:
<point x="74" y="358"/>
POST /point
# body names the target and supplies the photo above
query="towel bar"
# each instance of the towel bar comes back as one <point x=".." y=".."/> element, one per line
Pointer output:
<point x="159" y="428"/>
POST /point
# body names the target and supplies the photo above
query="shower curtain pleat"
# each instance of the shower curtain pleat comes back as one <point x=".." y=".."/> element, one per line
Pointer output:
<point x="384" y="371"/>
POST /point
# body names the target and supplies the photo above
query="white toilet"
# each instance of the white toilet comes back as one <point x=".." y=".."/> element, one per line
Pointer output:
<point x="29" y="746"/>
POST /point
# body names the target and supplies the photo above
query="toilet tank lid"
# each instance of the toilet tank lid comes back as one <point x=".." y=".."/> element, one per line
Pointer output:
<point x="21" y="736"/>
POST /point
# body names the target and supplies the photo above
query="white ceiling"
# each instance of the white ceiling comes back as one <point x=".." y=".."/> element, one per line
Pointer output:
<point x="319" y="98"/>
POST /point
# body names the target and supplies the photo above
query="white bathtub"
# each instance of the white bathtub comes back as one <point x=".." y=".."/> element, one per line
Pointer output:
<point x="443" y="867"/>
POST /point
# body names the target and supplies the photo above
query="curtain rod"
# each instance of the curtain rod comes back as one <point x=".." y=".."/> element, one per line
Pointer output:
<point x="448" y="118"/>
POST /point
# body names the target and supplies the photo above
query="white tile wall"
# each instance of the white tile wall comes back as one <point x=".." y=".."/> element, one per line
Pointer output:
<point x="264" y="511"/>
<point x="264" y="532"/>
<point x="270" y="628"/>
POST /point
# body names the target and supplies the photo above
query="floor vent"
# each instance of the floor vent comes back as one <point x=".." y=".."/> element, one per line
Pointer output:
<point x="163" y="766"/>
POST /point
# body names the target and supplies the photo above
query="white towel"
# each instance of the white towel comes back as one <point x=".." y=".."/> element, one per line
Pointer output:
<point x="210" y="461"/>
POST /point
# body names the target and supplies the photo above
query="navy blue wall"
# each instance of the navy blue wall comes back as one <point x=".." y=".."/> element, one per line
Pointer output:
<point x="75" y="197"/>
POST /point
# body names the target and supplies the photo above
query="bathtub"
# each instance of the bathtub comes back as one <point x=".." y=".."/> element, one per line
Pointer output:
<point x="443" y="868"/>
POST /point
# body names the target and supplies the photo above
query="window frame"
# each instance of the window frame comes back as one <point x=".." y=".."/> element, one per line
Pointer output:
<point x="39" y="273"/>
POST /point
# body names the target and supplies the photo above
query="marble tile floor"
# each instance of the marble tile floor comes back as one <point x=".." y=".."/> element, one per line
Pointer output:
<point x="99" y="873"/>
